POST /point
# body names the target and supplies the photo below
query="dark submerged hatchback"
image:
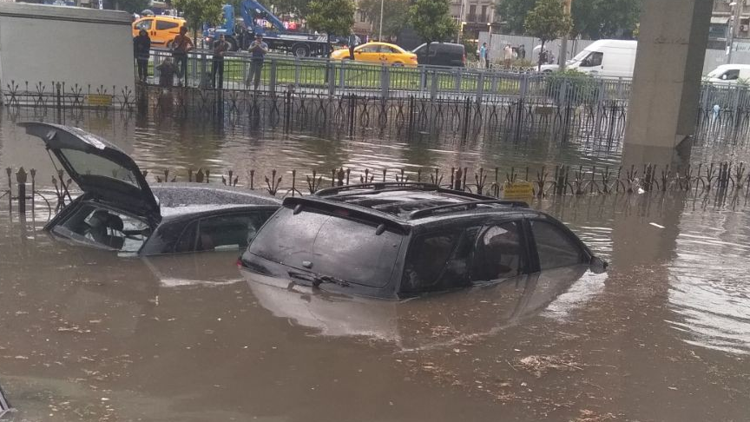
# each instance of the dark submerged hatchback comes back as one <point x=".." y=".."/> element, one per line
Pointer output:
<point x="119" y="211"/>
<point x="400" y="240"/>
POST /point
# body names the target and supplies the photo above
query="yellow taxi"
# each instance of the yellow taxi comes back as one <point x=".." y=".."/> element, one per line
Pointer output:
<point x="378" y="52"/>
<point x="161" y="29"/>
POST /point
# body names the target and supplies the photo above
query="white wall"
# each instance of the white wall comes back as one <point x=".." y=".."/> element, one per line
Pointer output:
<point x="499" y="41"/>
<point x="41" y="43"/>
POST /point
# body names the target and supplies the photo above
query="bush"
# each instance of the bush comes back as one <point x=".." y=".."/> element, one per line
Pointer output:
<point x="580" y="88"/>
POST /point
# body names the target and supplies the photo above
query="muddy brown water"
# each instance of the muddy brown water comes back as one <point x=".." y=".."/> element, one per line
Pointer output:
<point x="664" y="336"/>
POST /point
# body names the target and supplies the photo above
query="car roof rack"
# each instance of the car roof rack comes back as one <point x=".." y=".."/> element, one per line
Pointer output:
<point x="378" y="186"/>
<point x="357" y="211"/>
<point x="467" y="205"/>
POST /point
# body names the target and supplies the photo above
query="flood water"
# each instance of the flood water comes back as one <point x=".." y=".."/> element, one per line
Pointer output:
<point x="663" y="336"/>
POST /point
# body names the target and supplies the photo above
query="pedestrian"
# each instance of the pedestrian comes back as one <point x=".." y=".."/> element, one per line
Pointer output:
<point x="258" y="50"/>
<point x="483" y="56"/>
<point x="508" y="55"/>
<point x="522" y="52"/>
<point x="142" y="51"/>
<point x="221" y="46"/>
<point x="180" y="47"/>
<point x="352" y="44"/>
<point x="167" y="71"/>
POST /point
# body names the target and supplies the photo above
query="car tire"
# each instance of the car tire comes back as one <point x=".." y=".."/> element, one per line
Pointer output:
<point x="301" y="50"/>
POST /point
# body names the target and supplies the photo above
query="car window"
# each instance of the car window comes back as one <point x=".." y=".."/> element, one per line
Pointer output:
<point x="388" y="49"/>
<point x="731" y="75"/>
<point x="454" y="249"/>
<point x="105" y="228"/>
<point x="329" y="245"/>
<point x="498" y="253"/>
<point x="93" y="165"/>
<point x="555" y="247"/>
<point x="145" y="24"/>
<point x="164" y="25"/>
<point x="225" y="232"/>
<point x="594" y="59"/>
<point x="369" y="49"/>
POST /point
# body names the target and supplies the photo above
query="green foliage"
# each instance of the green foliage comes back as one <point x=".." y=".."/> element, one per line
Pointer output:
<point x="547" y="21"/>
<point x="132" y="6"/>
<point x="595" y="19"/>
<point x="513" y="14"/>
<point x="572" y="88"/>
<point x="334" y="17"/>
<point x="395" y="14"/>
<point x="432" y="21"/>
<point x="196" y="12"/>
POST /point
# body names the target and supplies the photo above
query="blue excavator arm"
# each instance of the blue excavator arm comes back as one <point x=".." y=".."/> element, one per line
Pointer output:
<point x="252" y="10"/>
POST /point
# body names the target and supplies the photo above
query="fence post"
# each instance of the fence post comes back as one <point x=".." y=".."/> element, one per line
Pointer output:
<point x="331" y="69"/>
<point x="21" y="180"/>
<point x="480" y="87"/>
<point x="272" y="76"/>
<point x="523" y="91"/>
<point x="434" y="87"/>
<point x="385" y="82"/>
<point x="297" y="63"/>
<point x="342" y="79"/>
<point x="619" y="88"/>
<point x="422" y="78"/>
<point x="458" y="81"/>
<point x="493" y="85"/>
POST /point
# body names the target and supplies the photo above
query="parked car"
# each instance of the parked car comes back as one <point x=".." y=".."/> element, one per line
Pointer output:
<point x="378" y="52"/>
<point x="441" y="54"/>
<point x="729" y="73"/>
<point x="161" y="29"/>
<point x="399" y="240"/>
<point x="119" y="211"/>
<point x="604" y="58"/>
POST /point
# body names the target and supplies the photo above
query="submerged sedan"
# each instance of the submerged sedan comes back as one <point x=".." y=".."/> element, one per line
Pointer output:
<point x="119" y="211"/>
<point x="401" y="240"/>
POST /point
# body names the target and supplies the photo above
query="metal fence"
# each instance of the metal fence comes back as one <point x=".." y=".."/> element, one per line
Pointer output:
<point x="343" y="77"/>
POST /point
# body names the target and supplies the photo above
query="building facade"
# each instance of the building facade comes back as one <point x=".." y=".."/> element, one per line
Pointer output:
<point x="474" y="16"/>
<point x="729" y="17"/>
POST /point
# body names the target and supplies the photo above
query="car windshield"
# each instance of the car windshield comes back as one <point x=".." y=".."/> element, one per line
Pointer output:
<point x="93" y="165"/>
<point x="580" y="56"/>
<point x="330" y="245"/>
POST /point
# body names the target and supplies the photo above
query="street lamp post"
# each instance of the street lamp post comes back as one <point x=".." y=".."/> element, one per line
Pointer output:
<point x="564" y="42"/>
<point x="380" y="32"/>
<point x="734" y="27"/>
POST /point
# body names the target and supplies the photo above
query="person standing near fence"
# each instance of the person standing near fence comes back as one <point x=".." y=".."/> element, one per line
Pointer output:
<point x="258" y="50"/>
<point x="508" y="55"/>
<point x="181" y="45"/>
<point x="142" y="51"/>
<point x="522" y="52"/>
<point x="221" y="46"/>
<point x="483" y="56"/>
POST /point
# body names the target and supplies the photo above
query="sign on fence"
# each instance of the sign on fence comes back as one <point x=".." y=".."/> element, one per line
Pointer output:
<point x="518" y="190"/>
<point x="99" y="100"/>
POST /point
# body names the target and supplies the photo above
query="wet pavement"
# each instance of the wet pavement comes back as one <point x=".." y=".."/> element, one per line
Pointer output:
<point x="663" y="336"/>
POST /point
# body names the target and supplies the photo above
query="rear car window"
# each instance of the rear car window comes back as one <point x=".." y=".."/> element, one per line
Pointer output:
<point x="329" y="245"/>
<point x="163" y="25"/>
<point x="93" y="165"/>
<point x="104" y="228"/>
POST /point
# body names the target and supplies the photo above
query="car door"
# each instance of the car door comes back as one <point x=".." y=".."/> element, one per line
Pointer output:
<point x="593" y="63"/>
<point x="369" y="53"/>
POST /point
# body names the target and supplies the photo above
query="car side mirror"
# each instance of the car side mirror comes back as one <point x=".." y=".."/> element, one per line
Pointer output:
<point x="358" y="52"/>
<point x="598" y="265"/>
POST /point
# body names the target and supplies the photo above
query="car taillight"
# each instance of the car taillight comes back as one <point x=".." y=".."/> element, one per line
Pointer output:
<point x="239" y="262"/>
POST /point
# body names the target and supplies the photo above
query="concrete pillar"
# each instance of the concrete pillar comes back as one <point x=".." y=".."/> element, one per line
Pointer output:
<point x="666" y="85"/>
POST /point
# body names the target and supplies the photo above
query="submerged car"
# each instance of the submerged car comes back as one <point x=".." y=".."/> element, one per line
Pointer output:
<point x="401" y="240"/>
<point x="119" y="211"/>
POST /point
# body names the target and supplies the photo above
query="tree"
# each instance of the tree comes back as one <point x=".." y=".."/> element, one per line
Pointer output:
<point x="548" y="22"/>
<point x="432" y="21"/>
<point x="595" y="19"/>
<point x="395" y="14"/>
<point x="332" y="17"/>
<point x="513" y="14"/>
<point x="198" y="12"/>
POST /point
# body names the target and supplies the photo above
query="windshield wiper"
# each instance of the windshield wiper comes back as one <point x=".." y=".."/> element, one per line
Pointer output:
<point x="317" y="280"/>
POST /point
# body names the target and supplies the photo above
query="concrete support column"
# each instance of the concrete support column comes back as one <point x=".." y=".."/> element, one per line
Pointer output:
<point x="666" y="85"/>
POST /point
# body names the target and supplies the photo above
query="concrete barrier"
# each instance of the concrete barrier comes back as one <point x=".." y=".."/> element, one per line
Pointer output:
<point x="67" y="44"/>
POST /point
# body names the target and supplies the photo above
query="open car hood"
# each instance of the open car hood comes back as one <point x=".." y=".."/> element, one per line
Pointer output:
<point x="99" y="168"/>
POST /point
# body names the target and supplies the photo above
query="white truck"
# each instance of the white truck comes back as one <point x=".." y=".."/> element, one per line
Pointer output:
<point x="603" y="58"/>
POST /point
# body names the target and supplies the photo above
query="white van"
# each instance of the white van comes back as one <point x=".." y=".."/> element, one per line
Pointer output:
<point x="604" y="58"/>
<point x="729" y="73"/>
